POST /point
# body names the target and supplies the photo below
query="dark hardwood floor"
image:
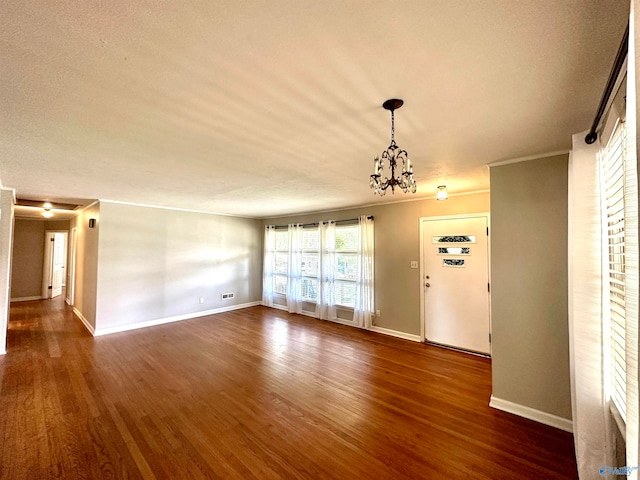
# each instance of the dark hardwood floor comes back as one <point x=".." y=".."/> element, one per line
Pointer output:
<point x="254" y="394"/>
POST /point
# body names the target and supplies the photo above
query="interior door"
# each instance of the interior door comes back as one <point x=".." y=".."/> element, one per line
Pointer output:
<point x="58" y="262"/>
<point x="455" y="279"/>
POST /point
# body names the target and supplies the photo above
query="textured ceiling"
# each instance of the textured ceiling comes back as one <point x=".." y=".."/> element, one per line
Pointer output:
<point x="269" y="108"/>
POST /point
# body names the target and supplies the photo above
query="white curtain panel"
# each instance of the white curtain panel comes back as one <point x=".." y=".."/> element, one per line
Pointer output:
<point x="294" y="285"/>
<point x="326" y="296"/>
<point x="591" y="418"/>
<point x="631" y="256"/>
<point x="364" y="304"/>
<point x="267" y="269"/>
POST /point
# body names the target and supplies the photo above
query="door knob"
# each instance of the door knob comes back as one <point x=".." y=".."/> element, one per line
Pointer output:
<point x="427" y="284"/>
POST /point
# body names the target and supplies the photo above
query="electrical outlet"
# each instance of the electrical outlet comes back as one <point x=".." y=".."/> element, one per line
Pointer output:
<point x="227" y="296"/>
<point x="201" y="300"/>
<point x="414" y="264"/>
<point x="377" y="313"/>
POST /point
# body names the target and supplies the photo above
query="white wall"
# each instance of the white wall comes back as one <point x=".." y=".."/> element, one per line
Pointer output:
<point x="156" y="264"/>
<point x="6" y="247"/>
<point x="86" y="271"/>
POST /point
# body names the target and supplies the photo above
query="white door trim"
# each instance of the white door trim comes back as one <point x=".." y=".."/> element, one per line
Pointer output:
<point x="71" y="263"/>
<point x="422" y="261"/>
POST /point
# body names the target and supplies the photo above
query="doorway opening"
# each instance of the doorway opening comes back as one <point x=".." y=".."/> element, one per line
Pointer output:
<point x="54" y="276"/>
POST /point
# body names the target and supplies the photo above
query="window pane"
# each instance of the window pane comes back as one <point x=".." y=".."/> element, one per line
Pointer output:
<point x="347" y="239"/>
<point x="280" y="284"/>
<point x="282" y="241"/>
<point x="453" y="262"/>
<point x="310" y="289"/>
<point x="310" y="240"/>
<point x="345" y="293"/>
<point x="455" y="239"/>
<point x="346" y="266"/>
<point x="454" y="251"/>
<point x="280" y="263"/>
<point x="310" y="264"/>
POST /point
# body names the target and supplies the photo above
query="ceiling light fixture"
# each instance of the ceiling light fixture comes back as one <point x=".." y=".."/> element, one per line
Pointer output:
<point x="395" y="156"/>
<point x="47" y="213"/>
<point x="441" y="192"/>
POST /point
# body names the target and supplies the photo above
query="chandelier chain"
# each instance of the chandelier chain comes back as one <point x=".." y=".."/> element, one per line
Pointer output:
<point x="393" y="128"/>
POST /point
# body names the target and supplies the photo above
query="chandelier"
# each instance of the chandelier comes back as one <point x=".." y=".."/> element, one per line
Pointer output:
<point x="396" y="157"/>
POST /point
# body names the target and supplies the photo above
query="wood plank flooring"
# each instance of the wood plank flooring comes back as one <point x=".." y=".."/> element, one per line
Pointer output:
<point x="254" y="394"/>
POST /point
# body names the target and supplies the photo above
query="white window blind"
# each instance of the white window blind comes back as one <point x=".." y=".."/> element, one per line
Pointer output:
<point x="612" y="163"/>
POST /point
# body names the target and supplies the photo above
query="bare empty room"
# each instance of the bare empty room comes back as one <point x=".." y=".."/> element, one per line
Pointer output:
<point x="319" y="239"/>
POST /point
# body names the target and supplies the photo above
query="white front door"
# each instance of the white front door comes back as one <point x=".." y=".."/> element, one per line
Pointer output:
<point x="455" y="282"/>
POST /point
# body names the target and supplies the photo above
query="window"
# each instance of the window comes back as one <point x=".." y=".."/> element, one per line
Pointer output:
<point x="321" y="268"/>
<point x="346" y="267"/>
<point x="281" y="262"/>
<point x="612" y="165"/>
<point x="310" y="264"/>
<point x="347" y="264"/>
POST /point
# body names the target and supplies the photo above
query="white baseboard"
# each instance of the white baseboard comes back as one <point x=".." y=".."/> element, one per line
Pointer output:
<point x="26" y="299"/>
<point x="385" y="331"/>
<point x="152" y="323"/>
<point x="84" y="321"/>
<point x="531" y="414"/>
<point x="396" y="333"/>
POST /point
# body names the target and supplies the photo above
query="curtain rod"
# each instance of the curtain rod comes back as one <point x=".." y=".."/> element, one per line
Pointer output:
<point x="370" y="217"/>
<point x="592" y="136"/>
